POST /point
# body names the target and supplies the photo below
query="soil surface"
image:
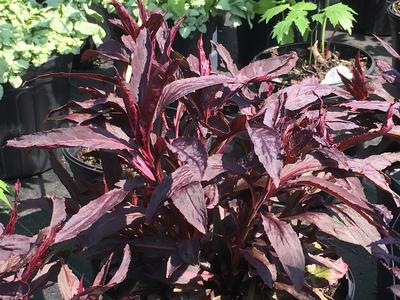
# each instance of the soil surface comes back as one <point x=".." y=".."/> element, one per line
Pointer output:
<point x="318" y="68"/>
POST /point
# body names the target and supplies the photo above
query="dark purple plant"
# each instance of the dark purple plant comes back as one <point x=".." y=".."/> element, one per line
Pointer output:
<point x="236" y="187"/>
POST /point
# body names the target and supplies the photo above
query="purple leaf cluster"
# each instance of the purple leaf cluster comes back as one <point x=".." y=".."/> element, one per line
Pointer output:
<point x="236" y="184"/>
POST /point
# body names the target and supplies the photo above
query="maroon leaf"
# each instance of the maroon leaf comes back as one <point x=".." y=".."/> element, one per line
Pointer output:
<point x="110" y="223"/>
<point x="283" y="237"/>
<point x="214" y="167"/>
<point x="388" y="48"/>
<point x="183" y="87"/>
<point x="59" y="215"/>
<point x="180" y="178"/>
<point x="395" y="289"/>
<point x="190" y="201"/>
<point x="192" y="151"/>
<point x="267" y="146"/>
<point x="90" y="213"/>
<point x="336" y="190"/>
<point x="353" y="229"/>
<point x="13" y="290"/>
<point x="269" y="68"/>
<point x="78" y="136"/>
<point x="68" y="283"/>
<point x="204" y="63"/>
<point x="302" y="94"/>
<point x="265" y="269"/>
<point x="127" y="21"/>
<point x="122" y="271"/>
<point x="224" y="54"/>
<point x="109" y="49"/>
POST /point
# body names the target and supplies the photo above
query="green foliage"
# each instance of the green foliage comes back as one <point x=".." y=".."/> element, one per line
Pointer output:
<point x="4" y="191"/>
<point x="197" y="13"/>
<point x="338" y="14"/>
<point x="298" y="14"/>
<point x="30" y="33"/>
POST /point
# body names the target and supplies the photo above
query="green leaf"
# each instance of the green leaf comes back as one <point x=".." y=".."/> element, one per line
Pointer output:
<point x="223" y="5"/>
<point x="86" y="28"/>
<point x="307" y="6"/>
<point x="184" y="31"/>
<point x="283" y="32"/>
<point x="58" y="26"/>
<point x="15" y="81"/>
<point x="318" y="18"/>
<point x="1" y="91"/>
<point x="4" y="199"/>
<point x="342" y="15"/>
<point x="272" y="12"/>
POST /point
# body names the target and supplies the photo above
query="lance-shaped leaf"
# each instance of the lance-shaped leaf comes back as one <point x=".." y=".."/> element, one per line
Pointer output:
<point x="183" y="87"/>
<point x="58" y="213"/>
<point x="225" y="56"/>
<point x="344" y="224"/>
<point x="265" y="69"/>
<point x="90" y="213"/>
<point x="109" y="49"/>
<point x="264" y="268"/>
<point x="369" y="167"/>
<point x="68" y="283"/>
<point x="119" y="276"/>
<point x="192" y="151"/>
<point x="127" y="21"/>
<point x="181" y="177"/>
<point x="303" y="94"/>
<point x="267" y="146"/>
<point x="191" y="203"/>
<point x="282" y="238"/>
<point x="78" y="136"/>
<point x="335" y="190"/>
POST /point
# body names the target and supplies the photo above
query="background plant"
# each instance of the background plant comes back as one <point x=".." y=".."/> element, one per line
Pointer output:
<point x="5" y="191"/>
<point x="298" y="14"/>
<point x="225" y="182"/>
<point x="30" y="34"/>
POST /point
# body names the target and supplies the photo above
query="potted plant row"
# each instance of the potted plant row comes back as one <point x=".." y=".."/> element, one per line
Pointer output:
<point x="237" y="193"/>
<point x="36" y="38"/>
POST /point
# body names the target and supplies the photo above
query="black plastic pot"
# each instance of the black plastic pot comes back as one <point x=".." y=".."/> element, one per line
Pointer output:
<point x="371" y="16"/>
<point x="347" y="289"/>
<point x="189" y="45"/>
<point x="395" y="30"/>
<point x="252" y="40"/>
<point x="346" y="52"/>
<point x="23" y="111"/>
<point x="82" y="171"/>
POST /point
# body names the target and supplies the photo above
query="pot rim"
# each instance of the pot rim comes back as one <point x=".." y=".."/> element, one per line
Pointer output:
<point x="66" y="151"/>
<point x="391" y="11"/>
<point x="369" y="71"/>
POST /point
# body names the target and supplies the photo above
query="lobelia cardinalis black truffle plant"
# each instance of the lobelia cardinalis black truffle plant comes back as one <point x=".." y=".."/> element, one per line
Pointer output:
<point x="237" y="191"/>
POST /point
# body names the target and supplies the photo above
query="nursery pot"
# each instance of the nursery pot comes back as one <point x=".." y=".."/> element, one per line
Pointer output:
<point x="346" y="52"/>
<point x="371" y="16"/>
<point x="82" y="171"/>
<point x="394" y="18"/>
<point x="23" y="111"/>
<point x="188" y="45"/>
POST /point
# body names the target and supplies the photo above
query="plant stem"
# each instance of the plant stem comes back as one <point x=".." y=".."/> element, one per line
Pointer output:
<point x="322" y="41"/>
<point x="323" y="30"/>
